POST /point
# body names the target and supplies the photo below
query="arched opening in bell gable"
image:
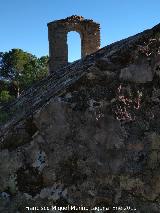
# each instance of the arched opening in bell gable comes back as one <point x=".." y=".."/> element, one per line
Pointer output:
<point x="74" y="46"/>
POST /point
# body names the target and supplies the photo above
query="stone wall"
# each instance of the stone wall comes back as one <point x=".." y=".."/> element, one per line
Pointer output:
<point x="88" y="137"/>
<point x="57" y="31"/>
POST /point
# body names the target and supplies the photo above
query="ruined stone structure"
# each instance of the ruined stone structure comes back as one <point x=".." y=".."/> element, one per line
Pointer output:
<point x="57" y="33"/>
<point x="88" y="137"/>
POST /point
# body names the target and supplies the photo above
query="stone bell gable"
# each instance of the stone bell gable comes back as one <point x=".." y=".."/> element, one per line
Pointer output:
<point x="57" y="34"/>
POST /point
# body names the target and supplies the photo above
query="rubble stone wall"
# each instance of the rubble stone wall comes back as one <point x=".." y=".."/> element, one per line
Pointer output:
<point x="88" y="137"/>
<point x="57" y="34"/>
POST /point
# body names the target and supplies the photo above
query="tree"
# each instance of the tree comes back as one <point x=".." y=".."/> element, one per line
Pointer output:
<point x="22" y="69"/>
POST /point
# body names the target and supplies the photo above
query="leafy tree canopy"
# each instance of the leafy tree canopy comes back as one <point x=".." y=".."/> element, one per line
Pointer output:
<point x="21" y="69"/>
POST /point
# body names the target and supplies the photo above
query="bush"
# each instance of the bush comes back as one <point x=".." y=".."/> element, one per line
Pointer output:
<point x="5" y="96"/>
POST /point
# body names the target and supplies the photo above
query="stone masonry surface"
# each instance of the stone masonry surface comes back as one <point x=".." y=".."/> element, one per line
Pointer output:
<point x="57" y="34"/>
<point x="88" y="134"/>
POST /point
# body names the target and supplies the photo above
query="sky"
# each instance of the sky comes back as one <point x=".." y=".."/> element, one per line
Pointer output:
<point x="23" y="23"/>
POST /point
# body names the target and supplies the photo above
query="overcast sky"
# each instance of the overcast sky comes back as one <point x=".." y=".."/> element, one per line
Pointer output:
<point x="23" y="23"/>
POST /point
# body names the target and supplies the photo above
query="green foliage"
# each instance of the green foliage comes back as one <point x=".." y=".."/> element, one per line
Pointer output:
<point x="3" y="85"/>
<point x="5" y="96"/>
<point x="34" y="71"/>
<point x="22" y="69"/>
